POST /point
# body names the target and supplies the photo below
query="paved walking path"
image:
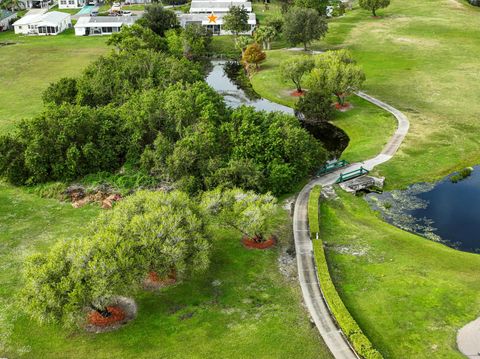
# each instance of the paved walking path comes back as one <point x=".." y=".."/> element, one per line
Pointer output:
<point x="307" y="274"/>
<point x="468" y="339"/>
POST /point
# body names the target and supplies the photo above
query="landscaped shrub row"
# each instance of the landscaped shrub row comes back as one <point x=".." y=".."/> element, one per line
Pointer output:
<point x="349" y="326"/>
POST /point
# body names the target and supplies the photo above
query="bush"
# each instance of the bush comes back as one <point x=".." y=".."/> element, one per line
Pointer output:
<point x="466" y="172"/>
<point x="349" y="326"/>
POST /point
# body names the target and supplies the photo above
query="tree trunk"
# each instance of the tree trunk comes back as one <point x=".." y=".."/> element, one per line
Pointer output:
<point x="305" y="46"/>
<point x="103" y="312"/>
<point x="374" y="12"/>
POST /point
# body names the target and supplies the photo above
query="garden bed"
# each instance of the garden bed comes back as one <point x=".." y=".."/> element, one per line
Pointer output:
<point x="253" y="244"/>
<point x="122" y="310"/>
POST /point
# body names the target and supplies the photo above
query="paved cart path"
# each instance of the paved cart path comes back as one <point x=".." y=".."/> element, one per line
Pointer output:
<point x="307" y="274"/>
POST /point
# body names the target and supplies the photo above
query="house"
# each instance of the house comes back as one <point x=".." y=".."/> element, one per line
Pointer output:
<point x="102" y="25"/>
<point x="6" y="17"/>
<point x="210" y="13"/>
<point x="76" y="4"/>
<point x="50" y="23"/>
<point x="38" y="4"/>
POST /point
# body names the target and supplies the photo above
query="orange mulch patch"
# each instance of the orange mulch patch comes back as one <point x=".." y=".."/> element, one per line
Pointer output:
<point x="116" y="316"/>
<point x="250" y="243"/>
<point x="297" y="93"/>
<point x="171" y="278"/>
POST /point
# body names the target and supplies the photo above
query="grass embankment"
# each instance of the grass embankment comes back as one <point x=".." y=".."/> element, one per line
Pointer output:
<point x="368" y="126"/>
<point x="241" y="308"/>
<point x="408" y="294"/>
<point x="35" y="61"/>
<point x="349" y="326"/>
<point x="421" y="57"/>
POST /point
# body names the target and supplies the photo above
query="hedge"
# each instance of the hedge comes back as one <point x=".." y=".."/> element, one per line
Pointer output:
<point x="349" y="326"/>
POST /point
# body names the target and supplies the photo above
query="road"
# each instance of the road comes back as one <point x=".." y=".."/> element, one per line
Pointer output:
<point x="307" y="274"/>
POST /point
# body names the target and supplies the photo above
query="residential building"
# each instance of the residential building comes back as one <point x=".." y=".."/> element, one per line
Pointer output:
<point x="210" y="13"/>
<point x="38" y="4"/>
<point x="6" y="17"/>
<point x="102" y="25"/>
<point x="50" y="23"/>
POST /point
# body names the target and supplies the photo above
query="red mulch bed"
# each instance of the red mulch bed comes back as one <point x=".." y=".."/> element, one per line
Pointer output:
<point x="117" y="315"/>
<point x="252" y="244"/>
<point x="297" y="93"/>
<point x="342" y="107"/>
<point x="153" y="281"/>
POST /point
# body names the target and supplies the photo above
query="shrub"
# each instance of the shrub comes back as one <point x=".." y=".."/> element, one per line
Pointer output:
<point x="461" y="175"/>
<point x="349" y="326"/>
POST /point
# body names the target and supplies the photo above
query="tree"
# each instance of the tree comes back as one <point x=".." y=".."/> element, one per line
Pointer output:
<point x="148" y="231"/>
<point x="193" y="42"/>
<point x="159" y="19"/>
<point x="265" y="35"/>
<point x="336" y="72"/>
<point x="295" y="68"/>
<point x="319" y="5"/>
<point x="374" y="5"/>
<point x="247" y="212"/>
<point x="136" y="37"/>
<point x="242" y="42"/>
<point x="12" y="5"/>
<point x="253" y="55"/>
<point x="316" y="106"/>
<point x="302" y="26"/>
<point x="63" y="91"/>
<point x="236" y="20"/>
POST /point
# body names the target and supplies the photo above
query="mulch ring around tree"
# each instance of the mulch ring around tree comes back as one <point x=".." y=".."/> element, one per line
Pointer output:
<point x="122" y="310"/>
<point x="154" y="281"/>
<point x="251" y="243"/>
<point x="343" y="108"/>
<point x="297" y="93"/>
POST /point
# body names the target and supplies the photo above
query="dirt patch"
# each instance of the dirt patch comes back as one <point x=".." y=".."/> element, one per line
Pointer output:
<point x="255" y="244"/>
<point x="122" y="311"/>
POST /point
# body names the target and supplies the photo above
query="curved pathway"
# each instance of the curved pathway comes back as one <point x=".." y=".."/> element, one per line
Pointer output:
<point x="307" y="273"/>
<point x="468" y="339"/>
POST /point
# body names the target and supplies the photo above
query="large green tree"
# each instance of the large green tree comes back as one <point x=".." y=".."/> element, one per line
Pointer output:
<point x="236" y="20"/>
<point x="159" y="19"/>
<point x="247" y="212"/>
<point x="295" y="68"/>
<point x="304" y="25"/>
<point x="336" y="72"/>
<point x="136" y="37"/>
<point x="374" y="5"/>
<point x="265" y="35"/>
<point x="319" y="5"/>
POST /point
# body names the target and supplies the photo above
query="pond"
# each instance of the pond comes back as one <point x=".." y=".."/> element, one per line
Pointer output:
<point x="446" y="212"/>
<point x="333" y="138"/>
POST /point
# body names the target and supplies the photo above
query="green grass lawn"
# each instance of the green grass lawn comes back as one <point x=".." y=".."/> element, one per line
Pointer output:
<point x="367" y="126"/>
<point x="253" y="313"/>
<point x="35" y="61"/>
<point x="421" y="57"/>
<point x="409" y="295"/>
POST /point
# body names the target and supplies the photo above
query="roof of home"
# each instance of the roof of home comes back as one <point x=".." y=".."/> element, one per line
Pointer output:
<point x="204" y="19"/>
<point x="218" y="6"/>
<point x="99" y="21"/>
<point x="6" y="14"/>
<point x="49" y="18"/>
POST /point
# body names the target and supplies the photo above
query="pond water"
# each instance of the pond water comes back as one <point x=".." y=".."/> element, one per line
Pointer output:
<point x="333" y="138"/>
<point x="446" y="212"/>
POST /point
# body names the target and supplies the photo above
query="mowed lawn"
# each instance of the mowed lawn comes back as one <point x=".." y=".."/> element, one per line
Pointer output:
<point x="367" y="126"/>
<point x="28" y="66"/>
<point x="410" y="295"/>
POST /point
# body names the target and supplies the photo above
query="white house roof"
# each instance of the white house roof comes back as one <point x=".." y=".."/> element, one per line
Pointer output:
<point x="52" y="18"/>
<point x="205" y="20"/>
<point x="105" y="21"/>
<point x="218" y="6"/>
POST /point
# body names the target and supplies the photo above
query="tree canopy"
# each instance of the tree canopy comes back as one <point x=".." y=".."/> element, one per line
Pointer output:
<point x="304" y="25"/>
<point x="236" y="20"/>
<point x="159" y="19"/>
<point x="373" y="5"/>
<point x="295" y="69"/>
